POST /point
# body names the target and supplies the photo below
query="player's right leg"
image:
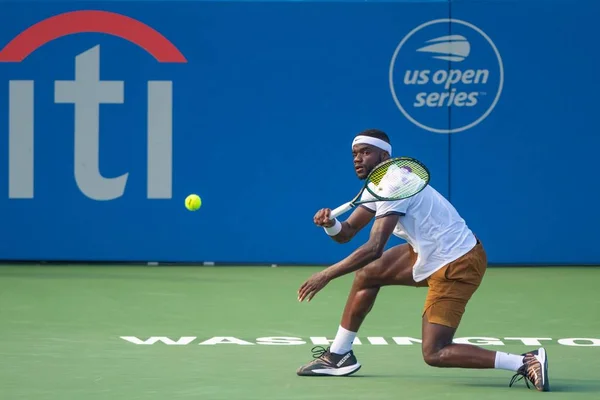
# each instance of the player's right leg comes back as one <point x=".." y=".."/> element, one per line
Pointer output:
<point x="393" y="268"/>
<point x="450" y="289"/>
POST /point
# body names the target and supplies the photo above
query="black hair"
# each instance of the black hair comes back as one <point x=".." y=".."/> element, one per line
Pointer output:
<point x="376" y="133"/>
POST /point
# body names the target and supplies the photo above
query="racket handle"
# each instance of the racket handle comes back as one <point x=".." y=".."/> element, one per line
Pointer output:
<point x="340" y="210"/>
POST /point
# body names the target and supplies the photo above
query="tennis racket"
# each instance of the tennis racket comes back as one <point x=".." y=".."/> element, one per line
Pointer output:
<point x="394" y="179"/>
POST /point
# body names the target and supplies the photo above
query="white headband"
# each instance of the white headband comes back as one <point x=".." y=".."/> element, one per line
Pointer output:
<point x="373" y="142"/>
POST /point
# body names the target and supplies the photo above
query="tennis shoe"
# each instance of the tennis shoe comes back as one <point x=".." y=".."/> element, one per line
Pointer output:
<point x="534" y="370"/>
<point x="326" y="363"/>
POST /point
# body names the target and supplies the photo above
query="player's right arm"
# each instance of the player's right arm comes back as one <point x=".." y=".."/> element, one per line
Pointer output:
<point x="359" y="218"/>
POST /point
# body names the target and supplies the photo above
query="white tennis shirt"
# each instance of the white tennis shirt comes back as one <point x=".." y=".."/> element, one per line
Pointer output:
<point x="428" y="223"/>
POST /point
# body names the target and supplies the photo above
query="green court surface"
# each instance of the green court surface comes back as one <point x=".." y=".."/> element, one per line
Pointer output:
<point x="78" y="332"/>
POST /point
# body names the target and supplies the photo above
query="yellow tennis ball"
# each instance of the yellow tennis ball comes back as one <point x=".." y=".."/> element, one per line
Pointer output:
<point x="193" y="202"/>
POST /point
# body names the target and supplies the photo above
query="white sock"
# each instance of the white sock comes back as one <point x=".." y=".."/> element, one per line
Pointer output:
<point x="343" y="341"/>
<point x="510" y="362"/>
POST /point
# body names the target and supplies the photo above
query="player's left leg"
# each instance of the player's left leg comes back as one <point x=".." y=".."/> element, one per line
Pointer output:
<point x="393" y="268"/>
<point x="449" y="291"/>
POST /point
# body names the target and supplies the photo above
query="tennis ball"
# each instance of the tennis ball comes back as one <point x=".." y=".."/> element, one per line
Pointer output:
<point x="193" y="202"/>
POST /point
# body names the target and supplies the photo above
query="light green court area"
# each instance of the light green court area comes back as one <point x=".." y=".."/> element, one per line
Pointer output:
<point x="70" y="332"/>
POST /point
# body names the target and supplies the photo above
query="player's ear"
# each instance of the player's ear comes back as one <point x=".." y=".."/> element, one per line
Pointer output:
<point x="384" y="155"/>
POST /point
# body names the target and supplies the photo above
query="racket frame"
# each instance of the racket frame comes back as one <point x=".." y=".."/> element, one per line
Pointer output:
<point x="336" y="212"/>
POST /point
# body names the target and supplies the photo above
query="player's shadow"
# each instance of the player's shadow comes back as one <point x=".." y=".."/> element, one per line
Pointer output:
<point x="557" y="385"/>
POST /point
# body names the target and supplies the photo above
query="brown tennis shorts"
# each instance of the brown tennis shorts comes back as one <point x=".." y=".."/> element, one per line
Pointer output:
<point x="451" y="287"/>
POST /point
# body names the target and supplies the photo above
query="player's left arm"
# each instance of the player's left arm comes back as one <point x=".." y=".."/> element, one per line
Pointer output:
<point x="381" y="231"/>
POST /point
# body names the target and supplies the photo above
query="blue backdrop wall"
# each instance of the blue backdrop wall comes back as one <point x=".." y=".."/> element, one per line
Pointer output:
<point x="112" y="112"/>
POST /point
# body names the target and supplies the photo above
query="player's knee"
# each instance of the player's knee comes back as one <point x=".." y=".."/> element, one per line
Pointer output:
<point x="431" y="358"/>
<point x="435" y="358"/>
<point x="360" y="279"/>
<point x="365" y="299"/>
<point x="365" y="277"/>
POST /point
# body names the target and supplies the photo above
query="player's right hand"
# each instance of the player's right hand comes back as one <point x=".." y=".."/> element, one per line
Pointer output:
<point x="321" y="218"/>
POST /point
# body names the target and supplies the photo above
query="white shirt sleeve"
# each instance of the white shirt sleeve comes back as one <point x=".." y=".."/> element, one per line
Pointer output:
<point x="391" y="183"/>
<point x="371" y="206"/>
<point x="398" y="207"/>
<point x="383" y="208"/>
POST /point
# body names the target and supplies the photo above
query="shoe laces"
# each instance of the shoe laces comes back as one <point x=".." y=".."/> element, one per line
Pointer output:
<point x="521" y="373"/>
<point x="526" y="371"/>
<point x="319" y="351"/>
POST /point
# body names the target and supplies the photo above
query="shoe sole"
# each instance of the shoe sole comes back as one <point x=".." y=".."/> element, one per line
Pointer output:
<point x="344" y="371"/>
<point x="545" y="380"/>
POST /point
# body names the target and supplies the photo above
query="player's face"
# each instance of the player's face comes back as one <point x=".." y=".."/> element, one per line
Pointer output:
<point x="366" y="158"/>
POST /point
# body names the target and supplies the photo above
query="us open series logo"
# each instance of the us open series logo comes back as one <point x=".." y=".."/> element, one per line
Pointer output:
<point x="446" y="76"/>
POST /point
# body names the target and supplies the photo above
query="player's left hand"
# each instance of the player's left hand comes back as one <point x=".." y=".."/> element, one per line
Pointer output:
<point x="312" y="286"/>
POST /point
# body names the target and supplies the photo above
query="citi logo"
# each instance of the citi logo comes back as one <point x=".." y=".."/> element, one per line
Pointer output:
<point x="86" y="92"/>
<point x="449" y="48"/>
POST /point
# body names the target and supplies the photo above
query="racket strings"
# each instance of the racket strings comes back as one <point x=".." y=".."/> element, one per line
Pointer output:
<point x="397" y="179"/>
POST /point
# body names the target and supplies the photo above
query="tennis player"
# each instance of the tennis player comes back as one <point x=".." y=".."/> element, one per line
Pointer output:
<point x="441" y="253"/>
